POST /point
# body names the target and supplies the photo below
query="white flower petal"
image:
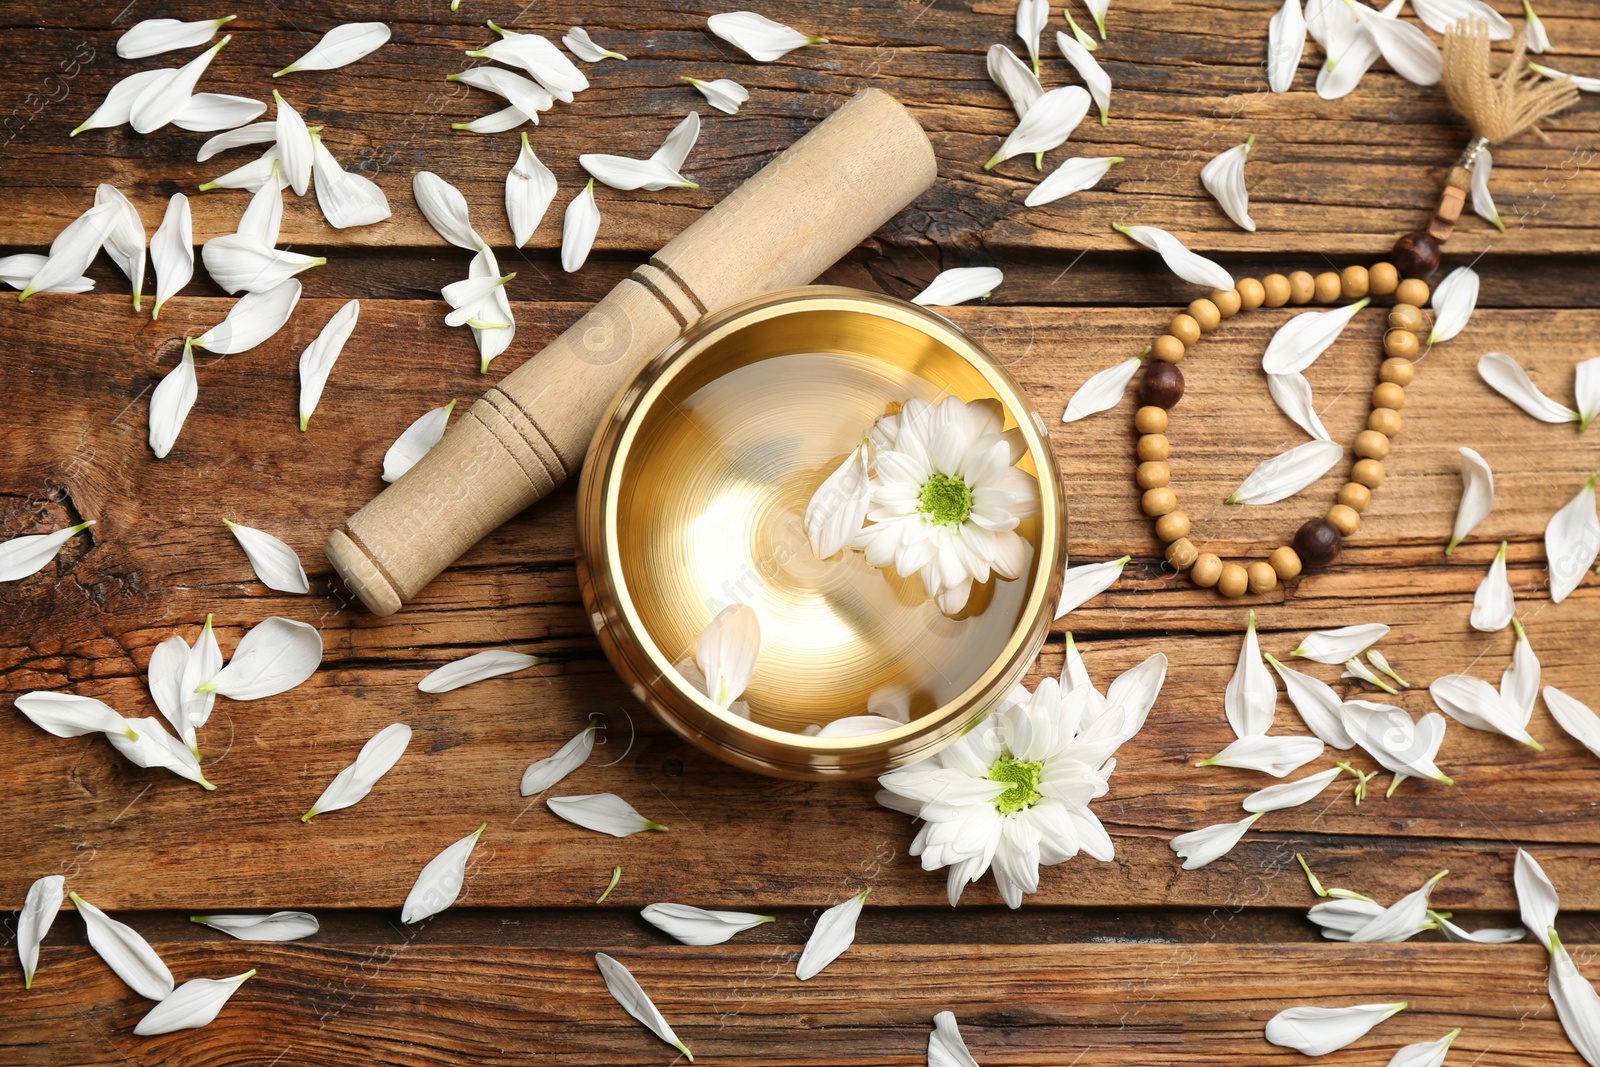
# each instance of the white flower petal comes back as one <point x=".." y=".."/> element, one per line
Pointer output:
<point x="254" y="319"/>
<point x="524" y="94"/>
<point x="724" y="94"/>
<point x="854" y="726"/>
<point x="580" y="44"/>
<point x="1493" y="604"/>
<point x="263" y="217"/>
<point x="1319" y="1031"/>
<point x="1584" y="85"/>
<point x="124" y="238"/>
<point x="276" y="655"/>
<point x="1577" y="1003"/>
<point x="1389" y="735"/>
<point x="1299" y="342"/>
<point x="550" y="67"/>
<point x="415" y="442"/>
<point x="1402" y="920"/>
<point x="294" y="145"/>
<point x="507" y="118"/>
<point x="170" y="404"/>
<point x="341" y="46"/>
<point x="1191" y="267"/>
<point x="493" y="326"/>
<point x="1519" y="683"/>
<point x="578" y="228"/>
<point x="1411" y="53"/>
<point x="164" y="679"/>
<point x="1286" y="43"/>
<point x="1081" y="584"/>
<point x="476" y="668"/>
<point x="1536" y="896"/>
<point x="278" y="926"/>
<point x="22" y="557"/>
<point x="1103" y="391"/>
<point x="1072" y="176"/>
<point x="1586" y="386"/>
<point x="274" y="562"/>
<point x="726" y="652"/>
<point x="445" y="209"/>
<point x="114" y="110"/>
<point x="240" y="263"/>
<point x="1290" y="794"/>
<point x="697" y="926"/>
<point x="1197" y="848"/>
<point x="1132" y="694"/>
<point x="1571" y="542"/>
<point x="39" y="910"/>
<point x="439" y="884"/>
<point x="529" y="189"/>
<point x="194" y="1003"/>
<point x="1094" y="76"/>
<point x="1341" y="917"/>
<point x="346" y="198"/>
<point x="626" y="991"/>
<point x="1506" y="377"/>
<point x="945" y="1046"/>
<point x="1097" y="11"/>
<point x="316" y="362"/>
<point x="1317" y="704"/>
<point x="16" y="271"/>
<point x="834" y="932"/>
<point x="1336" y="646"/>
<point x="125" y="952"/>
<point x="376" y="758"/>
<point x="1440" y="15"/>
<point x="545" y="773"/>
<point x="1575" y="717"/>
<point x="1453" y="302"/>
<point x="206" y="112"/>
<point x="1477" y="705"/>
<point x="1014" y="77"/>
<point x="74" y="248"/>
<point x="958" y="285"/>
<point x="1276" y="756"/>
<point x="1050" y="121"/>
<point x="604" y="813"/>
<point x="1477" y="497"/>
<point x="679" y="143"/>
<point x="1031" y="17"/>
<point x="165" y="98"/>
<point x="154" y="36"/>
<point x="1538" y="38"/>
<point x="1354" y="668"/>
<point x="1486" y="936"/>
<point x="1251" y="697"/>
<point x="622" y="172"/>
<point x="837" y="510"/>
<point x="1482" y="198"/>
<point x="255" y="133"/>
<point x="1350" y="49"/>
<point x="1223" y="178"/>
<point x="253" y="175"/>
<point x="1292" y="393"/>
<point x="761" y="38"/>
<point x="205" y="660"/>
<point x="1287" y="473"/>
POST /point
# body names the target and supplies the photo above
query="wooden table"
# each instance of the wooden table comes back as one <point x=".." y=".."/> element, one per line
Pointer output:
<point x="1128" y="962"/>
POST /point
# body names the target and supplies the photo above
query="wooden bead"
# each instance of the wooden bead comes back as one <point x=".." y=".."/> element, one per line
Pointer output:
<point x="1206" y="570"/>
<point x="1302" y="287"/>
<point x="1317" y="543"/>
<point x="1153" y="475"/>
<point x="1262" y="578"/>
<point x="1416" y="255"/>
<point x="1234" y="581"/>
<point x="1406" y="317"/>
<point x="1354" y="282"/>
<point x="1153" y="446"/>
<point x="1161" y="386"/>
<point x="1382" y="279"/>
<point x="1346" y="520"/>
<point x="1205" y="314"/>
<point x="1150" y="420"/>
<point x="1228" y="302"/>
<point x="1412" y="291"/>
<point x="1370" y="444"/>
<point x="1276" y="287"/>
<point x="1355" y="496"/>
<point x="1327" y="287"/>
<point x="1158" y="501"/>
<point x="1182" y="553"/>
<point x="1385" y="420"/>
<point x="1184" y="328"/>
<point x="1252" y="294"/>
<point x="1399" y="371"/>
<point x="1369" y="472"/>
<point x="1386" y="395"/>
<point x="1168" y="349"/>
<point x="1400" y="344"/>
<point x="1285" y="562"/>
<point x="1172" y="526"/>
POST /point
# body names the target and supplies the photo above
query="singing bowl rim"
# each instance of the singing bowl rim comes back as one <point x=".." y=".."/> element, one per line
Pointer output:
<point x="650" y="674"/>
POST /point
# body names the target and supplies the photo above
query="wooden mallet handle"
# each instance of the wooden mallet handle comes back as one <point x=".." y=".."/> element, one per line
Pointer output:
<point x="817" y="200"/>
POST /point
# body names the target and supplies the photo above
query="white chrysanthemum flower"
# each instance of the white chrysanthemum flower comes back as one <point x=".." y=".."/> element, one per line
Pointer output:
<point x="946" y="499"/>
<point x="1014" y="792"/>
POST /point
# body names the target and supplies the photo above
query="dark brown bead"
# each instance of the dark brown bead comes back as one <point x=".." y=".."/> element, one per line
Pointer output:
<point x="1162" y="385"/>
<point x="1317" y="543"/>
<point x="1417" y="254"/>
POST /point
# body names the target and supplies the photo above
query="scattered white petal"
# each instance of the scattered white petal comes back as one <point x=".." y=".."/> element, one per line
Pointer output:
<point x="580" y="44"/>
<point x="554" y="72"/>
<point x="854" y="726"/>
<point x="172" y="252"/>
<point x="1276" y="756"/>
<point x="1014" y="77"/>
<point x="1411" y="53"/>
<point x="1072" y="176"/>
<point x="1402" y="920"/>
<point x="1538" y="38"/>
<point x="1477" y="497"/>
<point x="277" y="926"/>
<point x="1477" y="705"/>
<point x="1519" y="683"/>
<point x="165" y="98"/>
<point x="253" y="175"/>
<point x="1094" y="76"/>
<point x="1292" y="393"/>
<point x="1453" y="302"/>
<point x="1290" y="794"/>
<point x="254" y="319"/>
<point x="1586" y="385"/>
<point x="274" y="562"/>
<point x="724" y="94"/>
<point x="761" y="38"/>
<point x="376" y="758"/>
<point x="1380" y="661"/>
<point x="605" y="813"/>
<point x="578" y="229"/>
<point x="1354" y="668"/>
<point x="1575" y="717"/>
<point x="1403" y="747"/>
<point x="1223" y="178"/>
<point x="118" y="104"/>
<point x="124" y="238"/>
<point x="1251" y="697"/>
<point x="194" y="1003"/>
<point x="958" y="285"/>
<point x="1197" y="848"/>
<point x="1577" y="1003"/>
<point x="623" y="172"/>
<point x="837" y="510"/>
<point x="1031" y="17"/>
<point x="1319" y="1031"/>
<point x="1486" y="936"/>
<point x="240" y="263"/>
<point x="1536" y="897"/>
<point x="1493" y="604"/>
<point x="255" y="133"/>
<point x="22" y="557"/>
<point x="1190" y="266"/>
<point x="1482" y="198"/>
<point x="1342" y="917"/>
<point x="276" y="655"/>
<point x="1317" y="704"/>
<point x="1506" y="377"/>
<point x="125" y="952"/>
<point x="1440" y="15"/>
<point x="39" y="910"/>
<point x="529" y="189"/>
<point x="74" y="248"/>
<point x="1050" y="121"/>
<point x="154" y="36"/>
<point x="263" y="218"/>
<point x="524" y="94"/>
<point x="16" y="271"/>
<point x="1287" y="473"/>
<point x="152" y="747"/>
<point x="1571" y="542"/>
<point x="545" y="773"/>
<point x="341" y="46"/>
<point x="1103" y="391"/>
<point x="316" y="362"/>
<point x="1585" y="85"/>
<point x="205" y="660"/>
<point x="507" y="118"/>
<point x="697" y="926"/>
<point x="626" y="991"/>
<point x="477" y="667"/>
<point x="1081" y="584"/>
<point x="1299" y="342"/>
<point x="1336" y="646"/>
<point x="945" y="1045"/>
<point x="446" y="210"/>
<point x="206" y="112"/>
<point x="170" y="404"/>
<point x="834" y="933"/>
<point x="415" y="442"/>
<point x="1286" y="43"/>
<point x="493" y="326"/>
<point x="439" y="884"/>
<point x="346" y="198"/>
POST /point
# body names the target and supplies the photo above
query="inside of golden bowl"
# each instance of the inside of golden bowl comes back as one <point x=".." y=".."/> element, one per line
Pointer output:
<point x="711" y="484"/>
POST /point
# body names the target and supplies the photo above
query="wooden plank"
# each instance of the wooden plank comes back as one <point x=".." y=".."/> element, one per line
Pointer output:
<point x="412" y="1003"/>
<point x="1331" y="176"/>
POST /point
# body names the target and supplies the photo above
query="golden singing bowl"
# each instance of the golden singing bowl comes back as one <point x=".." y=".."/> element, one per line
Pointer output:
<point x="693" y="497"/>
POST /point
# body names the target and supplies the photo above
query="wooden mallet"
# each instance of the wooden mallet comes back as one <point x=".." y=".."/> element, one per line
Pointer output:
<point x="817" y="200"/>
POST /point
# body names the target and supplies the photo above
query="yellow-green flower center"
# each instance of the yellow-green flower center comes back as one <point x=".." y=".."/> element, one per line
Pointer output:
<point x="945" y="500"/>
<point x="1022" y="781"/>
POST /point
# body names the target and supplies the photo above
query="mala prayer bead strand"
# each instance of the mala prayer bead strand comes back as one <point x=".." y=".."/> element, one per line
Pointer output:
<point x="1318" y="542"/>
